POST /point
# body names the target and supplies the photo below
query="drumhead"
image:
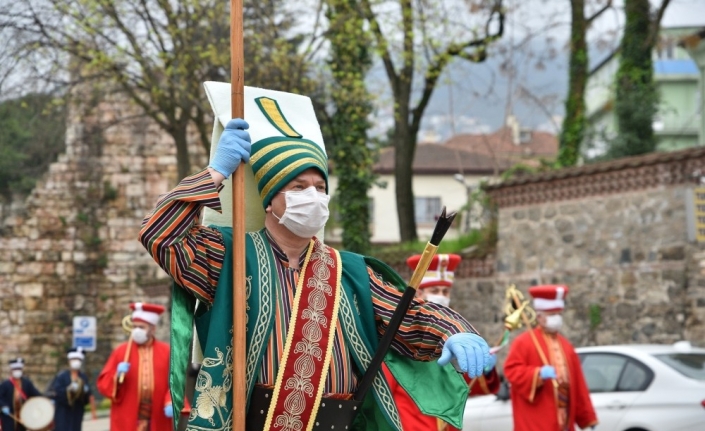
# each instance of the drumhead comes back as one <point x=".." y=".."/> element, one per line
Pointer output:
<point x="37" y="413"/>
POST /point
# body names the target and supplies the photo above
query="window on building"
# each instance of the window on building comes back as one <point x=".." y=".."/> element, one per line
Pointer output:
<point x="427" y="209"/>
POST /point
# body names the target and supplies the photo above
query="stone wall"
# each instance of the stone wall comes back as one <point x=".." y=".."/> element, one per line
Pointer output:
<point x="622" y="248"/>
<point x="71" y="247"/>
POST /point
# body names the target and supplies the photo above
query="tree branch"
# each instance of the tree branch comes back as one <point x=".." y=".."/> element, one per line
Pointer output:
<point x="598" y="13"/>
<point x="656" y="23"/>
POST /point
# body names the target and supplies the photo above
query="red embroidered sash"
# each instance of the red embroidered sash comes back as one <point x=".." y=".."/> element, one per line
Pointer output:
<point x="309" y="343"/>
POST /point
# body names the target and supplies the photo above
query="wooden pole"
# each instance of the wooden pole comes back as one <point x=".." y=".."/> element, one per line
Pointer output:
<point x="237" y="65"/>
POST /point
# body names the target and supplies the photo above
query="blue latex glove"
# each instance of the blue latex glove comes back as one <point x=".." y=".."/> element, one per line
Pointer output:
<point x="85" y="388"/>
<point x="123" y="367"/>
<point x="469" y="350"/>
<point x="547" y="372"/>
<point x="169" y="411"/>
<point x="6" y="410"/>
<point x="234" y="146"/>
<point x="491" y="364"/>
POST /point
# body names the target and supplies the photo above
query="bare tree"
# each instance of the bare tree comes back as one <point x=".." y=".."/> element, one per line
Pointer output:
<point x="158" y="52"/>
<point x="425" y="49"/>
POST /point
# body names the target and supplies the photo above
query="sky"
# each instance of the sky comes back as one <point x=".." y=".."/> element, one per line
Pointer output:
<point x="475" y="98"/>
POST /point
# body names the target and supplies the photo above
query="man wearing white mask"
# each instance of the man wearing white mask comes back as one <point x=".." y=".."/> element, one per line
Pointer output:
<point x="136" y="376"/>
<point x="71" y="392"/>
<point x="299" y="289"/>
<point x="548" y="392"/>
<point x="14" y="392"/>
<point x="435" y="287"/>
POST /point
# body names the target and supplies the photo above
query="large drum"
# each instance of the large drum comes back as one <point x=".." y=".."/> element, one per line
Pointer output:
<point x="37" y="414"/>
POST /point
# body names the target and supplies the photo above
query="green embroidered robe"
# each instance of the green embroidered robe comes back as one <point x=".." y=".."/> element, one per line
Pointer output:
<point x="443" y="393"/>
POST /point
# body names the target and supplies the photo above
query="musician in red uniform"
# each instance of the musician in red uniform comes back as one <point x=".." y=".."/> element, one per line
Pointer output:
<point x="14" y="392"/>
<point x="548" y="389"/>
<point x="436" y="287"/>
<point x="141" y="402"/>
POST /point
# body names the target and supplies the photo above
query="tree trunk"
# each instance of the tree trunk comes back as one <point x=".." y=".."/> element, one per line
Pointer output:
<point x="574" y="124"/>
<point x="183" y="163"/>
<point x="636" y="101"/>
<point x="404" y="150"/>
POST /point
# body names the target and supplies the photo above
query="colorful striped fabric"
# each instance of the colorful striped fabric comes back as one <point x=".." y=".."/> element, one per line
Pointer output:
<point x="193" y="255"/>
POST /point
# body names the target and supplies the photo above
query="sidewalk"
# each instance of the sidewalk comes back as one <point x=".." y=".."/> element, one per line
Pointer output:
<point x="100" y="424"/>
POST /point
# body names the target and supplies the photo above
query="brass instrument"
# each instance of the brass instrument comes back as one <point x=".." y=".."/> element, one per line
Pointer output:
<point x="514" y="320"/>
<point x="127" y="324"/>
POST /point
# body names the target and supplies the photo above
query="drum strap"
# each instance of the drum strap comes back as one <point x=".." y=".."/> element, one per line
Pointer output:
<point x="18" y="388"/>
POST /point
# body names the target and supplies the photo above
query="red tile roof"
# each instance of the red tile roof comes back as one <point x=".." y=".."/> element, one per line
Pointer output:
<point x="438" y="159"/>
<point x="500" y="143"/>
<point x="474" y="154"/>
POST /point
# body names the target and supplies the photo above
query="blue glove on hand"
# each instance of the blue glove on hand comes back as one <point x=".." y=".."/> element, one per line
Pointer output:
<point x="123" y="367"/>
<point x="6" y="410"/>
<point x="547" y="372"/>
<point x="234" y="146"/>
<point x="470" y="351"/>
<point x="169" y="411"/>
<point x="491" y="364"/>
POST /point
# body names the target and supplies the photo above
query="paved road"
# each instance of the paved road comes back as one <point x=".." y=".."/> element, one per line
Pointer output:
<point x="100" y="424"/>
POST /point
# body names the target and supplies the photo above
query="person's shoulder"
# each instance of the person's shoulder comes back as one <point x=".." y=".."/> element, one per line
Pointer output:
<point x="161" y="344"/>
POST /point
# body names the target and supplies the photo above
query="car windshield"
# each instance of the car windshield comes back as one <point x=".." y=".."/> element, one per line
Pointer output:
<point x="689" y="364"/>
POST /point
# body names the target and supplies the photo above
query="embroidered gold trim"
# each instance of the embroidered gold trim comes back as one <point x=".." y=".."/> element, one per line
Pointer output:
<point x="267" y="167"/>
<point x="286" y="171"/>
<point x="289" y="422"/>
<point x="260" y="336"/>
<point x="270" y="108"/>
<point x="276" y="145"/>
<point x="331" y="333"/>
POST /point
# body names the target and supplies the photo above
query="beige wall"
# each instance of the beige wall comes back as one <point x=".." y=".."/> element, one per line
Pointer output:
<point x="385" y="225"/>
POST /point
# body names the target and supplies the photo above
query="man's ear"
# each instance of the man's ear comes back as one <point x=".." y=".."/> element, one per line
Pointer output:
<point x="268" y="209"/>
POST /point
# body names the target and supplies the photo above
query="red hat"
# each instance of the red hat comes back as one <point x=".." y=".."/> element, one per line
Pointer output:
<point x="549" y="297"/>
<point x="148" y="313"/>
<point x="440" y="272"/>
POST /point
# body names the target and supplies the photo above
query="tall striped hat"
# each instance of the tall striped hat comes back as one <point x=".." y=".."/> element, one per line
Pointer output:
<point x="276" y="161"/>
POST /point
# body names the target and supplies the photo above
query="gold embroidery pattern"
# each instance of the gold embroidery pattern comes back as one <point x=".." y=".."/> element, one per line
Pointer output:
<point x="301" y="385"/>
<point x="272" y="111"/>
<point x="260" y="335"/>
<point x="286" y="171"/>
<point x="379" y="384"/>
<point x="315" y="149"/>
<point x="212" y="399"/>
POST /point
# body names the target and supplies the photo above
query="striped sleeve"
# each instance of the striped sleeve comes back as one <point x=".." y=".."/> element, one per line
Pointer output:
<point x="190" y="253"/>
<point x="425" y="327"/>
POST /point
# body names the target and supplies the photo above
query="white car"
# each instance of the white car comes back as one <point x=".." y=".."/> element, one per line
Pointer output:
<point x="632" y="387"/>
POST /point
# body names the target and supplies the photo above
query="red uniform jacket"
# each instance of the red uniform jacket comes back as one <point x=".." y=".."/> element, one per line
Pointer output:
<point x="534" y="400"/>
<point x="124" y="408"/>
<point x="411" y="417"/>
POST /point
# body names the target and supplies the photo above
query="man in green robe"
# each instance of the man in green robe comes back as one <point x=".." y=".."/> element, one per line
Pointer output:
<point x="314" y="315"/>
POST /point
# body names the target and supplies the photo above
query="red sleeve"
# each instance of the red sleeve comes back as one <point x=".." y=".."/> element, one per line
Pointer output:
<point x="585" y="415"/>
<point x="520" y="370"/>
<point x="107" y="379"/>
<point x="167" y="398"/>
<point x="485" y="384"/>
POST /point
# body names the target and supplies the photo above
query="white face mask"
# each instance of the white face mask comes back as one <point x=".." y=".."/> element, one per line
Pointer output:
<point x="16" y="374"/>
<point x="139" y="335"/>
<point x="438" y="299"/>
<point x="306" y="212"/>
<point x="554" y="322"/>
<point x="75" y="364"/>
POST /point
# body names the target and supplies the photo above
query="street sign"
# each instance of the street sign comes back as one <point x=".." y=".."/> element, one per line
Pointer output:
<point x="85" y="332"/>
